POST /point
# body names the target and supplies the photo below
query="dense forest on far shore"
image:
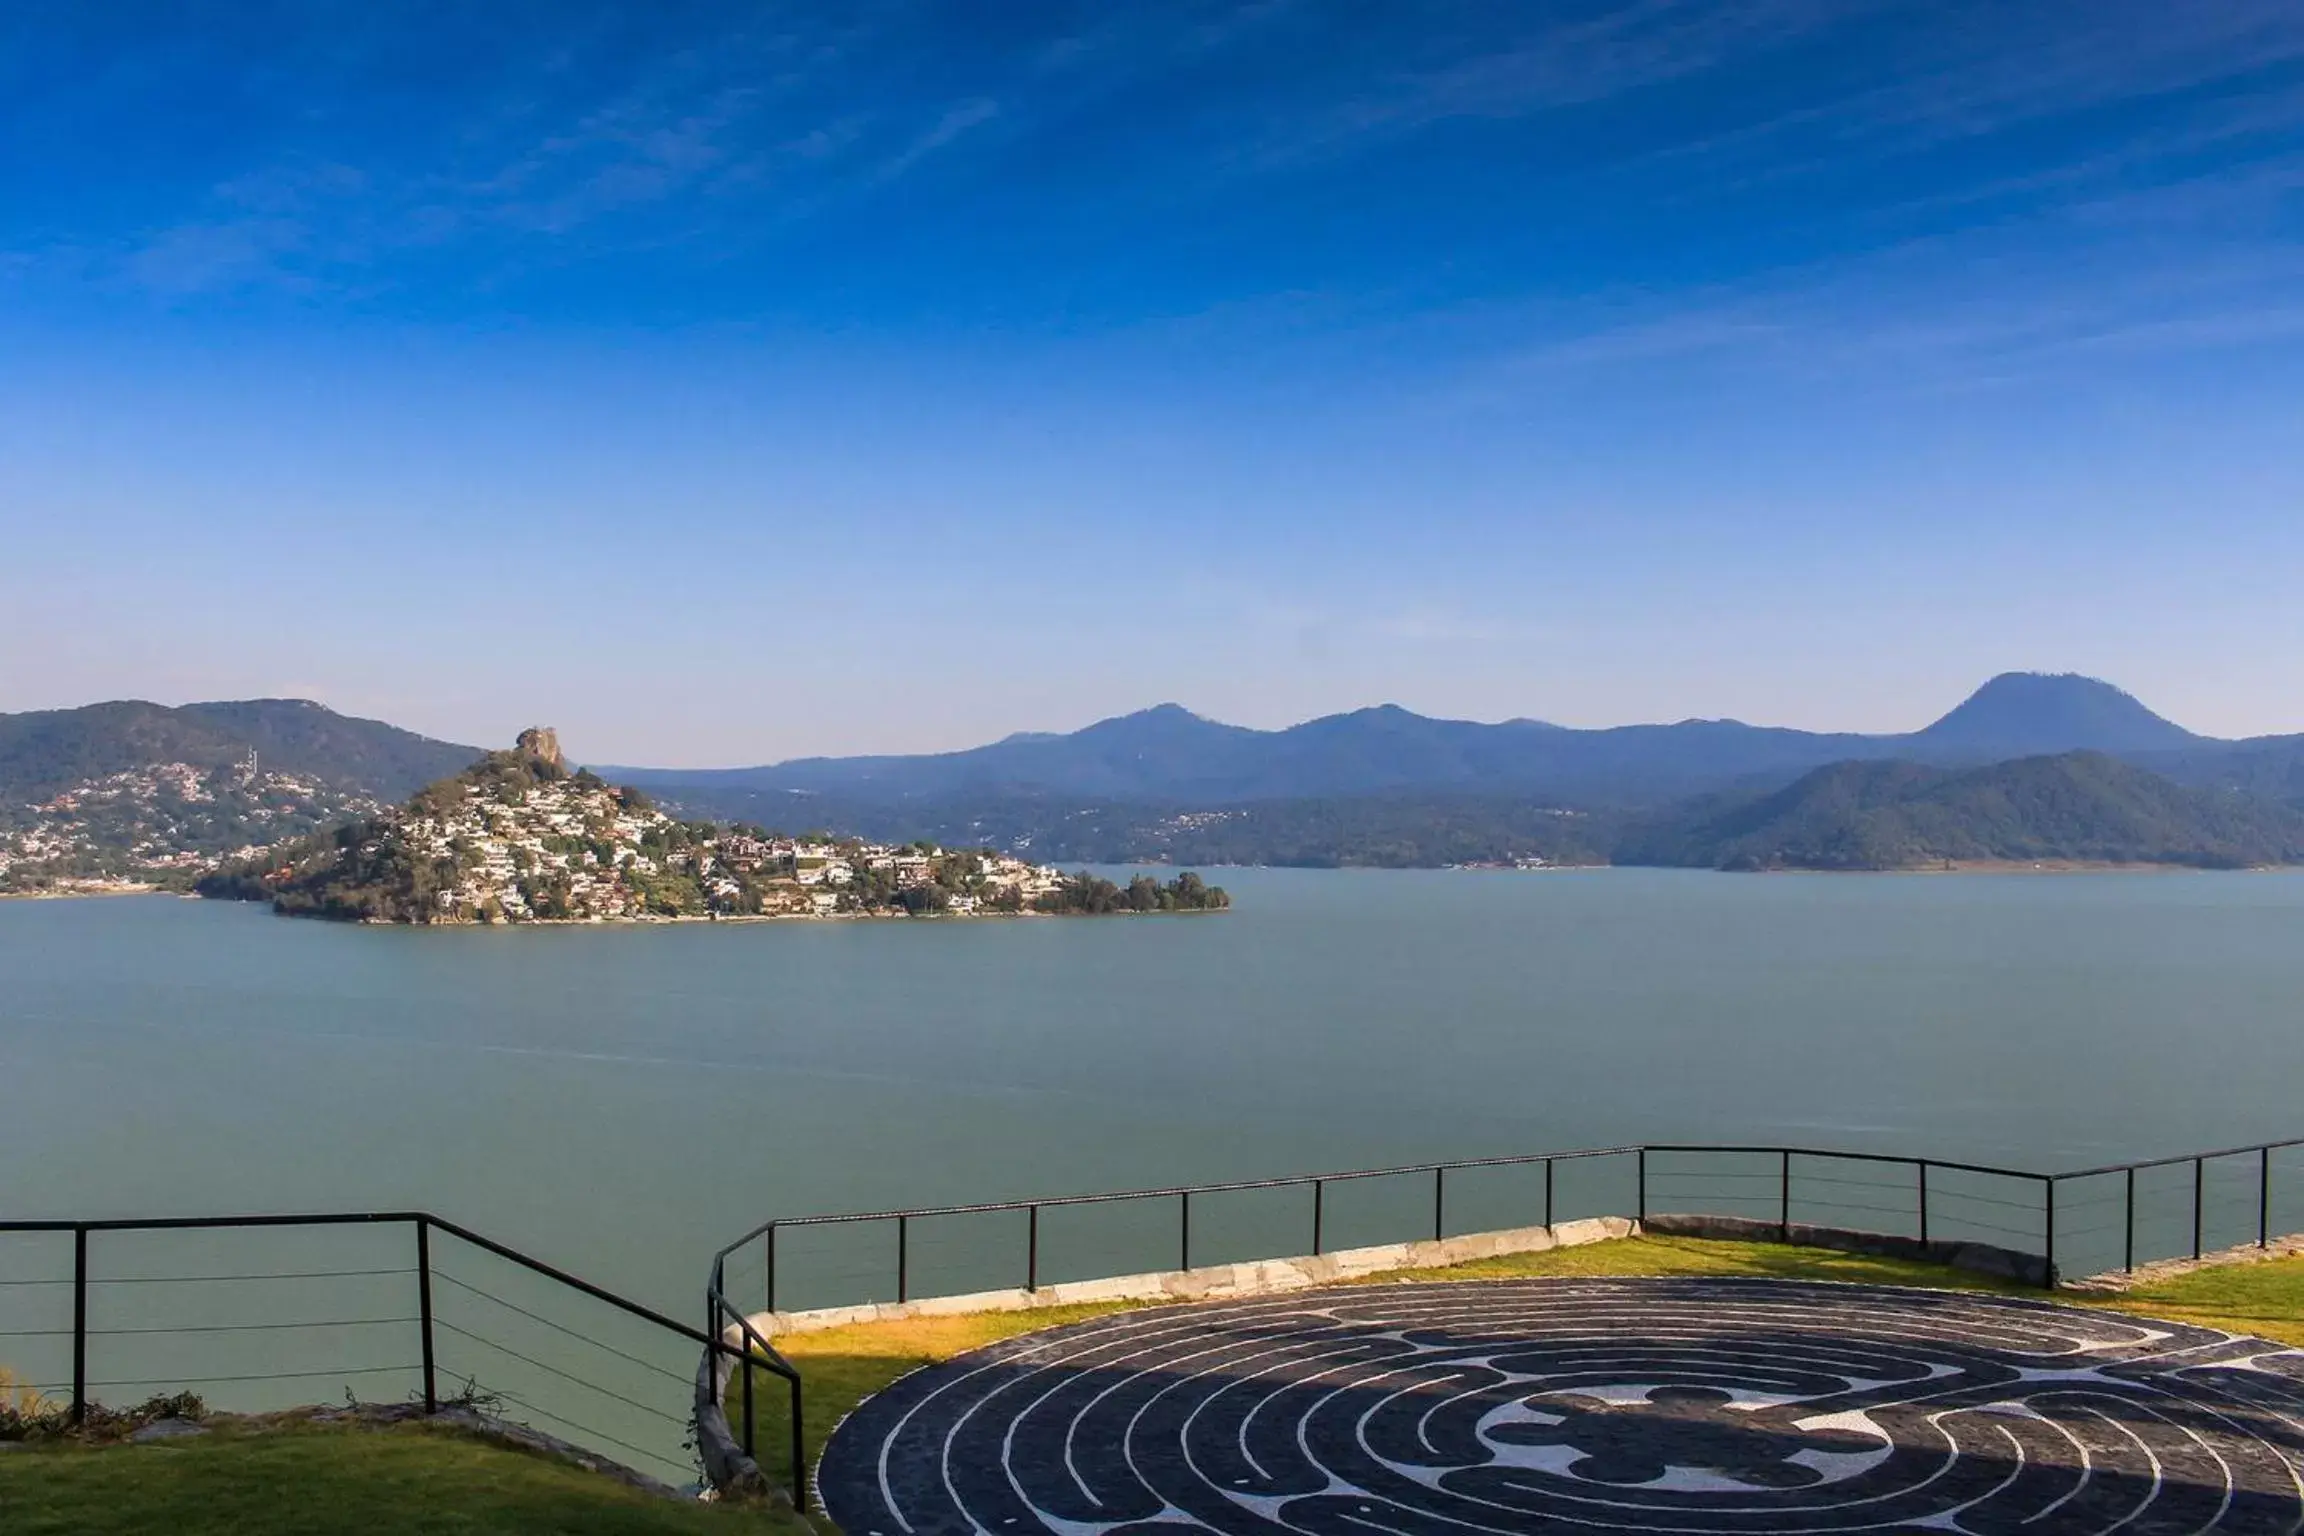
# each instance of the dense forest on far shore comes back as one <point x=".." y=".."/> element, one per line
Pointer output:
<point x="2081" y="807"/>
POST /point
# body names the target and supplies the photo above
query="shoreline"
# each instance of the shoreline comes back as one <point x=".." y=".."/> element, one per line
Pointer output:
<point x="2033" y="867"/>
<point x="107" y="891"/>
<point x="744" y="917"/>
<point x="710" y="917"/>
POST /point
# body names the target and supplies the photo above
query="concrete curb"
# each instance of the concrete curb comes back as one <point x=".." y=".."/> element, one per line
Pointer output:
<point x="1259" y="1277"/>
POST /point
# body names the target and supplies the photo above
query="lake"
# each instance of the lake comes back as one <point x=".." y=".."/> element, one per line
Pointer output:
<point x="621" y="1100"/>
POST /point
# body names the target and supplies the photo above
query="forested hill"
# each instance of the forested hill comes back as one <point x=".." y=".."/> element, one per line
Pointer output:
<point x="2079" y="806"/>
<point x="46" y="751"/>
<point x="135" y="794"/>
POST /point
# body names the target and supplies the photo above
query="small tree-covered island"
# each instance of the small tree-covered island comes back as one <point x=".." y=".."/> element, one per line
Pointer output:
<point x="520" y="837"/>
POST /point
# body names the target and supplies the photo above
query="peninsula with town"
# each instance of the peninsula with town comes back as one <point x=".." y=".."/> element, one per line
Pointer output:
<point x="520" y="837"/>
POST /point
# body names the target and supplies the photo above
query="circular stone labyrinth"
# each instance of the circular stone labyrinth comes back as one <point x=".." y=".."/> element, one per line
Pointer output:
<point x="1587" y="1406"/>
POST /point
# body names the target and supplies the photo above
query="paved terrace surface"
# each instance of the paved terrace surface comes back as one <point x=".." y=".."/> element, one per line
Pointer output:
<point x="1684" y="1405"/>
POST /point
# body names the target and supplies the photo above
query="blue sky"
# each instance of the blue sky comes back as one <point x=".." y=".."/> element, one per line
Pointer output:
<point x="721" y="383"/>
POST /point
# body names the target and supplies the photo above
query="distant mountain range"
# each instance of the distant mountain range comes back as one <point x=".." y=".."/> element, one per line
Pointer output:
<point x="2029" y="767"/>
<point x="1170" y="756"/>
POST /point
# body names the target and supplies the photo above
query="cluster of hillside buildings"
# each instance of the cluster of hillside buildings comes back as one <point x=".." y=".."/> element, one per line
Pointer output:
<point x="828" y="868"/>
<point x="578" y="849"/>
<point x="144" y="825"/>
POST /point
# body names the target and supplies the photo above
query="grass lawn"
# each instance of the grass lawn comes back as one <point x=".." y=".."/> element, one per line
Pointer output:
<point x="396" y="1480"/>
<point x="2265" y="1299"/>
<point x="843" y="1366"/>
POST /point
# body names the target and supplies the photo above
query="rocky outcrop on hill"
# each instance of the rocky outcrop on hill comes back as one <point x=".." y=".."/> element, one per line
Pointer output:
<point x="542" y="743"/>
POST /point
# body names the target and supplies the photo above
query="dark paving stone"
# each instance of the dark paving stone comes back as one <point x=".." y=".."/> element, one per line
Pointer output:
<point x="1738" y="1407"/>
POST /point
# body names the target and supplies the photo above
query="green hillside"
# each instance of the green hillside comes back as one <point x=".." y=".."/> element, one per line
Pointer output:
<point x="45" y="751"/>
<point x="128" y="795"/>
<point x="2077" y="806"/>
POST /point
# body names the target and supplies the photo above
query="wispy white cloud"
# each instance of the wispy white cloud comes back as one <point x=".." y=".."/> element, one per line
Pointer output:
<point x="1635" y="46"/>
<point x="1970" y="82"/>
<point x="201" y="257"/>
<point x="1885" y="327"/>
<point x="956" y="121"/>
<point x="258" y="227"/>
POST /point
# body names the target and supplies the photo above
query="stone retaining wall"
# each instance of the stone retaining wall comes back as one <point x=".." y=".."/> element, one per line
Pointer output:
<point x="1977" y="1258"/>
<point x="1267" y="1277"/>
<point x="1257" y="1277"/>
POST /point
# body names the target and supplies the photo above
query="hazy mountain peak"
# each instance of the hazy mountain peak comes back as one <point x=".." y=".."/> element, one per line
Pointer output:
<point x="1169" y="754"/>
<point x="1159" y="717"/>
<point x="2042" y="712"/>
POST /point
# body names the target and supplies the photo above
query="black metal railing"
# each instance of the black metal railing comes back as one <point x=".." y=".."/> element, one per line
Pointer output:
<point x="2205" y="1201"/>
<point x="2047" y="1216"/>
<point x="259" y="1312"/>
<point x="754" y="1353"/>
<point x="2082" y="1221"/>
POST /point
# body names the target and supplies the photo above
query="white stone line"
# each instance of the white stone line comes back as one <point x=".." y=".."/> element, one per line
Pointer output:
<point x="1561" y="1337"/>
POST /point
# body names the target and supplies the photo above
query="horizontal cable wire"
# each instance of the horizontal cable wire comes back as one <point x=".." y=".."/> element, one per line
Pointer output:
<point x="1938" y="1196"/>
<point x="307" y="1274"/>
<point x="2064" y="1232"/>
<point x="1969" y="1221"/>
<point x="545" y="1413"/>
<point x="1799" y="1178"/>
<point x="589" y="1386"/>
<point x="203" y="1381"/>
<point x="2081" y="1205"/>
<point x="339" y="1322"/>
<point x="562" y="1328"/>
<point x="1856" y="1205"/>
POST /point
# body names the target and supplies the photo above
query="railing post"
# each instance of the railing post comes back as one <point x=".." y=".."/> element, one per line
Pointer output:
<point x="1547" y="1194"/>
<point x="1184" y="1232"/>
<point x="2128" y="1249"/>
<point x="1923" y="1200"/>
<point x="1641" y="1197"/>
<point x="1784" y="1197"/>
<point x="424" y="1310"/>
<point x="2263" y="1197"/>
<point x="2048" y="1233"/>
<point x="1319" y="1199"/>
<point x="2199" y="1189"/>
<point x="903" y="1258"/>
<point x="799" y="1452"/>
<point x="746" y="1365"/>
<point x="1032" y="1250"/>
<point x="768" y="1258"/>
<point x="1439" y="1199"/>
<point x="79" y="1325"/>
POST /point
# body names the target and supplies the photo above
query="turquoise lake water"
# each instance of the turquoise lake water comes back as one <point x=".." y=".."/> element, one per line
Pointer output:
<point x="620" y="1100"/>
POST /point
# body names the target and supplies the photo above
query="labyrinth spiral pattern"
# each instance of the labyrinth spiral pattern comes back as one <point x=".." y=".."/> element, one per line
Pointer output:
<point x="1730" y="1406"/>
